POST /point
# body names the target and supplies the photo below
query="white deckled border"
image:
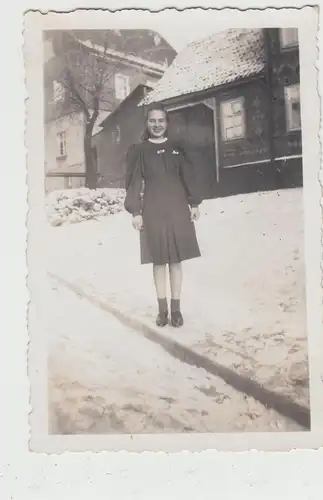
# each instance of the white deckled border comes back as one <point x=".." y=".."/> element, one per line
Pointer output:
<point x="306" y="21"/>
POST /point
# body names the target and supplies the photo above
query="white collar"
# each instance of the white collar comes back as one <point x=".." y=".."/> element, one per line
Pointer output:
<point x="158" y="142"/>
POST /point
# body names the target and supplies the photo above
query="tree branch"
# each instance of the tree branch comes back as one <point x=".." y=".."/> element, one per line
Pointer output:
<point x="77" y="96"/>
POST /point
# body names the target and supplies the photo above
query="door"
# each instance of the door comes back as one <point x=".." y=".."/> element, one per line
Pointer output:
<point x="194" y="126"/>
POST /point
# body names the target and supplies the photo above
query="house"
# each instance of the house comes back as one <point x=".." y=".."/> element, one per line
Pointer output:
<point x="234" y="99"/>
<point x="134" y="58"/>
<point x="123" y="127"/>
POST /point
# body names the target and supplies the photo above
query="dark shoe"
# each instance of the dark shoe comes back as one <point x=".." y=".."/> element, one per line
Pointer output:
<point x="176" y="319"/>
<point x="162" y="318"/>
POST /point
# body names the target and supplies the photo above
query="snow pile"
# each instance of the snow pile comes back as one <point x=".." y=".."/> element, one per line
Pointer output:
<point x="77" y="205"/>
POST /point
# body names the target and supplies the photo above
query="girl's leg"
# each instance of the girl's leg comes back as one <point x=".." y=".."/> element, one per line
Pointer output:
<point x="160" y="285"/>
<point x="176" y="278"/>
<point x="160" y="281"/>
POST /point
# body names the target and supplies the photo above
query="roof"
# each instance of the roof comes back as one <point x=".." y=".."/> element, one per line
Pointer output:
<point x="144" y="63"/>
<point x="143" y="48"/>
<point x="103" y="115"/>
<point x="219" y="59"/>
<point x="116" y="110"/>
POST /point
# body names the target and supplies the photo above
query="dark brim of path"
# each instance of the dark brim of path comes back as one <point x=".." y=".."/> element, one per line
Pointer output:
<point x="284" y="405"/>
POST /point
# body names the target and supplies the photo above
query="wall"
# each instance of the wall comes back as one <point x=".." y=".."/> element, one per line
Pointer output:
<point x="111" y="154"/>
<point x="53" y="183"/>
<point x="254" y="146"/>
<point x="254" y="173"/>
<point x="285" y="71"/>
<point x="74" y="130"/>
<point x="62" y="172"/>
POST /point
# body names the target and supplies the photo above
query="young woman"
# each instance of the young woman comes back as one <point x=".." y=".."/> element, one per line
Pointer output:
<point x="162" y="198"/>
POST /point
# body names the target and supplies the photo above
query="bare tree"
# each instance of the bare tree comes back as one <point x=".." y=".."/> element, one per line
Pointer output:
<point x="85" y="75"/>
<point x="85" y="72"/>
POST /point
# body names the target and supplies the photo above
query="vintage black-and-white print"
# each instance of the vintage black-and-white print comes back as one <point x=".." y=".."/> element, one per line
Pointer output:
<point x="175" y="297"/>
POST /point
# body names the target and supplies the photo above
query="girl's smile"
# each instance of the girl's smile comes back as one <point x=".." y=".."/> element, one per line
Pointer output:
<point x="157" y="123"/>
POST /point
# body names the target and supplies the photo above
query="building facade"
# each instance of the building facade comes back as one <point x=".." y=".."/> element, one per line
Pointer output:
<point x="64" y="121"/>
<point x="234" y="100"/>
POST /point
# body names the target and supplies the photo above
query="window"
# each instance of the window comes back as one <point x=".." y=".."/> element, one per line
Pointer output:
<point x="233" y="119"/>
<point x="58" y="91"/>
<point x="293" y="107"/>
<point x="61" y="140"/>
<point x="288" y="37"/>
<point x="122" y="89"/>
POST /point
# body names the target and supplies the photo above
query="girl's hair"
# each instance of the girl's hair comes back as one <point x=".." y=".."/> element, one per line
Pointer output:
<point x="148" y="110"/>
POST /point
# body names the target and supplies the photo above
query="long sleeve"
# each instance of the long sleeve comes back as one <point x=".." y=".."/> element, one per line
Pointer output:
<point x="133" y="181"/>
<point x="131" y="161"/>
<point x="189" y="178"/>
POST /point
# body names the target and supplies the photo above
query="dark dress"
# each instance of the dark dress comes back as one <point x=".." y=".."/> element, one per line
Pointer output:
<point x="165" y="176"/>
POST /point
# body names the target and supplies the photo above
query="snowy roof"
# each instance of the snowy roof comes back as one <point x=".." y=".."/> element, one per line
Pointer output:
<point x="103" y="115"/>
<point x="152" y="66"/>
<point x="216" y="60"/>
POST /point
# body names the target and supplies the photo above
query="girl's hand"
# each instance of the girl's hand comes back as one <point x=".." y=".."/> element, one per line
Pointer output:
<point x="195" y="213"/>
<point x="137" y="222"/>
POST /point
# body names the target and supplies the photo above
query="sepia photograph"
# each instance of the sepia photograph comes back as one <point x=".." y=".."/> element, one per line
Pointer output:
<point x="175" y="299"/>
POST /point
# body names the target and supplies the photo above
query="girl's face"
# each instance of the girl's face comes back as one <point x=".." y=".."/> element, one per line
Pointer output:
<point x="156" y="123"/>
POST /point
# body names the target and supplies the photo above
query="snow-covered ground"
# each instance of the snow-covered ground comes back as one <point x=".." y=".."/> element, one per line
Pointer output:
<point x="107" y="378"/>
<point x="243" y="301"/>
